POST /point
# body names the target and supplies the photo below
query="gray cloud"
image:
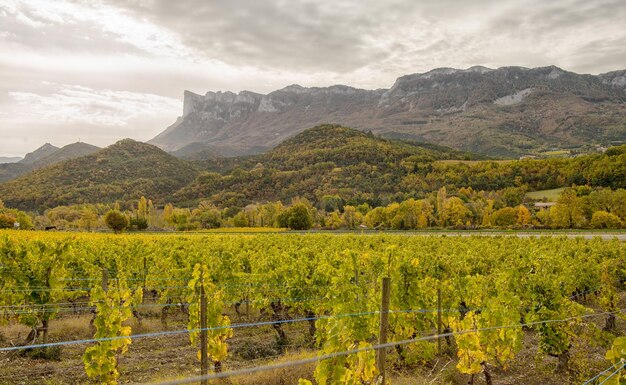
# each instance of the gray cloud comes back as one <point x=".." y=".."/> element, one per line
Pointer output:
<point x="71" y="112"/>
<point x="24" y="26"/>
<point x="344" y="36"/>
<point x="95" y="107"/>
<point x="271" y="34"/>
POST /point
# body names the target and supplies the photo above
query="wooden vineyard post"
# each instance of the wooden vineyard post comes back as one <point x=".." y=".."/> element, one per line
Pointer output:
<point x="145" y="274"/>
<point x="204" y="360"/>
<point x="356" y="283"/>
<point x="105" y="280"/>
<point x="439" y="323"/>
<point x="381" y="353"/>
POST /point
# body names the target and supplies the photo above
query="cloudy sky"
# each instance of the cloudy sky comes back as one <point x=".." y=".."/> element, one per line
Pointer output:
<point x="103" y="70"/>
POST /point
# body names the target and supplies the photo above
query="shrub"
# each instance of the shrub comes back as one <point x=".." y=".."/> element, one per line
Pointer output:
<point x="116" y="221"/>
<point x="6" y="221"/>
<point x="605" y="220"/>
<point x="207" y="216"/>
<point x="504" y="217"/>
<point x="138" y="224"/>
<point x="296" y="217"/>
<point x="187" y="227"/>
<point x="51" y="353"/>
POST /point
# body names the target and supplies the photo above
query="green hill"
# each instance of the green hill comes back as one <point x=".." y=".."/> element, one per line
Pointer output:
<point x="360" y="167"/>
<point x="123" y="171"/>
<point x="10" y="171"/>
<point x="346" y="146"/>
<point x="324" y="160"/>
<point x="197" y="151"/>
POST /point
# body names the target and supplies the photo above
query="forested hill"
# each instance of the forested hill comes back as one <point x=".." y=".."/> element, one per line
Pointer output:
<point x="359" y="167"/>
<point x="45" y="155"/>
<point x="346" y="147"/>
<point x="123" y="171"/>
<point x="323" y="161"/>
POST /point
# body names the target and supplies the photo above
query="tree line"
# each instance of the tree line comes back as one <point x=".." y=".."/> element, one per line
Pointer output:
<point x="577" y="207"/>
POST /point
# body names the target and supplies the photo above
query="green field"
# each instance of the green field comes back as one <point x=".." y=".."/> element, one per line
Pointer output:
<point x="548" y="195"/>
<point x="555" y="153"/>
<point x="471" y="162"/>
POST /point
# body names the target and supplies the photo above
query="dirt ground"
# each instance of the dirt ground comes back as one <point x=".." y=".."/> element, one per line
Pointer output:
<point x="157" y="358"/>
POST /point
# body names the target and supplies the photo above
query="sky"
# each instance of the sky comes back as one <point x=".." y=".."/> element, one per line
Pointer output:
<point x="100" y="71"/>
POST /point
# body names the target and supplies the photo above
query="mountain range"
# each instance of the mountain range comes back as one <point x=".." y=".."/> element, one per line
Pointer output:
<point x="504" y="112"/>
<point x="45" y="155"/>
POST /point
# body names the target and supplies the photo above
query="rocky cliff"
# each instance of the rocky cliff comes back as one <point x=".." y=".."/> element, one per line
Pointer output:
<point x="508" y="111"/>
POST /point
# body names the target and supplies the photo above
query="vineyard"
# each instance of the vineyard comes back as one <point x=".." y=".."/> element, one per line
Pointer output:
<point x="309" y="309"/>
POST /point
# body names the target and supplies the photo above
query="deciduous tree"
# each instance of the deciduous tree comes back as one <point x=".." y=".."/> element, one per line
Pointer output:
<point x="116" y="221"/>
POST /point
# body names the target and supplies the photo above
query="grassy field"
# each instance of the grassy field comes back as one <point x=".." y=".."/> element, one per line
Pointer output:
<point x="470" y="162"/>
<point x="549" y="195"/>
<point x="555" y="153"/>
<point x="243" y="230"/>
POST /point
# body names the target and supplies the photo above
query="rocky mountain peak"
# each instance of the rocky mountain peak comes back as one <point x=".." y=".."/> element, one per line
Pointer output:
<point x="500" y="111"/>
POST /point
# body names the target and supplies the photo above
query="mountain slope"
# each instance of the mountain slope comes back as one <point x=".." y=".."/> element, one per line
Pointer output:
<point x="509" y="111"/>
<point x="45" y="155"/>
<point x="123" y="171"/>
<point x="71" y="151"/>
<point x="10" y="171"/>
<point x="40" y="153"/>
<point x="7" y="159"/>
<point x="324" y="160"/>
<point x="197" y="151"/>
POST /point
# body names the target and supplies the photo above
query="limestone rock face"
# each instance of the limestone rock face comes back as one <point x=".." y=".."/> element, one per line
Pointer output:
<point x="502" y="112"/>
<point x="615" y="79"/>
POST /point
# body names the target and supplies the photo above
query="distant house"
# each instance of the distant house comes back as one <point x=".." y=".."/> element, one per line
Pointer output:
<point x="544" y="205"/>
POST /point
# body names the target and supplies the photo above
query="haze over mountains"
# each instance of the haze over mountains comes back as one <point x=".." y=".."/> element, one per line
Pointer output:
<point x="9" y="159"/>
<point x="507" y="112"/>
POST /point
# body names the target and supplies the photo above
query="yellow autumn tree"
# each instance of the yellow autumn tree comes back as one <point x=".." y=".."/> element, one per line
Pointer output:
<point x="523" y="216"/>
